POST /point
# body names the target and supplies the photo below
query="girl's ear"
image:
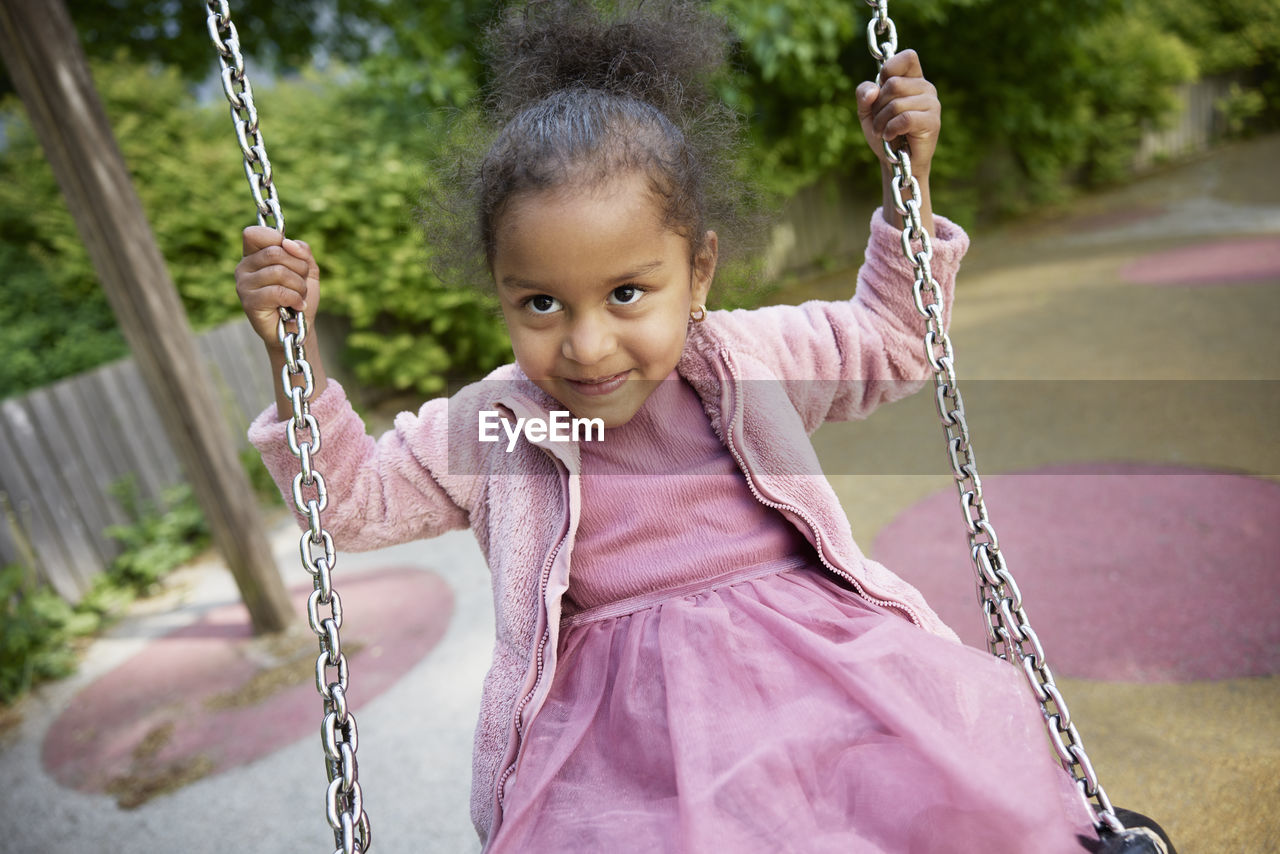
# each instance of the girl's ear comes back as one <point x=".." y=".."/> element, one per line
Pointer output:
<point x="704" y="267"/>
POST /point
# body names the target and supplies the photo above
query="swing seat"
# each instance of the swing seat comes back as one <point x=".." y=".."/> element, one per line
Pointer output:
<point x="1141" y="836"/>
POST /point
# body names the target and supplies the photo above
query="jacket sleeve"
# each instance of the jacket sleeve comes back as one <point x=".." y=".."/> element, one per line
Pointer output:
<point x="381" y="492"/>
<point x="840" y="360"/>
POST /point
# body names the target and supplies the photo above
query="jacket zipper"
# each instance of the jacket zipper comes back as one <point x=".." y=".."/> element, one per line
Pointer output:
<point x="540" y="663"/>
<point x="813" y="526"/>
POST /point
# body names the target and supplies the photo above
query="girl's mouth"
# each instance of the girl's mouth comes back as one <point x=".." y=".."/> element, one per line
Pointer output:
<point x="604" y="385"/>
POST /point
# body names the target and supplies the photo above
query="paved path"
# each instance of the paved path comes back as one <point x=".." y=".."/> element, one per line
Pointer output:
<point x="1121" y="366"/>
<point x="415" y="736"/>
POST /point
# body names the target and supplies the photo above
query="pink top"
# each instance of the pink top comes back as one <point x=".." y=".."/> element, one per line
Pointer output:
<point x="699" y="522"/>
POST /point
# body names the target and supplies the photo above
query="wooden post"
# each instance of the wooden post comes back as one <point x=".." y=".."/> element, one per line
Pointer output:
<point x="49" y="71"/>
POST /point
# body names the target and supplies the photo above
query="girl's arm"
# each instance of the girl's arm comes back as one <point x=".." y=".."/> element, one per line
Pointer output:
<point x="903" y="106"/>
<point x="405" y="485"/>
<point x="383" y="492"/>
<point x="843" y="359"/>
<point x="839" y="360"/>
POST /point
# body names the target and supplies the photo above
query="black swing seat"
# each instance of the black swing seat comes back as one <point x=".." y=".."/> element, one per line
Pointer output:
<point x="1141" y="836"/>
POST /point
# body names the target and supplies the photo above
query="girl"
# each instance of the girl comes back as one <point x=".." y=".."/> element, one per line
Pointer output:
<point x="691" y="654"/>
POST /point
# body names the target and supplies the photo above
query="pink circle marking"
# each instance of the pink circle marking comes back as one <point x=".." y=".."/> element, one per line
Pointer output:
<point x="1221" y="262"/>
<point x="179" y="685"/>
<point x="1129" y="572"/>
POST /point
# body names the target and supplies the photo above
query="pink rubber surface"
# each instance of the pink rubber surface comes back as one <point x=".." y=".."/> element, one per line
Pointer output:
<point x="1129" y="572"/>
<point x="1218" y="262"/>
<point x="176" y="684"/>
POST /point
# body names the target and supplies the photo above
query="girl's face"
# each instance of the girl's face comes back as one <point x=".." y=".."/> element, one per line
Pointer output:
<point x="596" y="292"/>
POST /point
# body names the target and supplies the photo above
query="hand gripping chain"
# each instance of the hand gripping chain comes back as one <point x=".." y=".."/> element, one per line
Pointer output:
<point x="1009" y="633"/>
<point x="344" y="804"/>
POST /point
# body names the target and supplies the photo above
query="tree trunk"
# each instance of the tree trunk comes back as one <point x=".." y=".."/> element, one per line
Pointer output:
<point x="49" y="71"/>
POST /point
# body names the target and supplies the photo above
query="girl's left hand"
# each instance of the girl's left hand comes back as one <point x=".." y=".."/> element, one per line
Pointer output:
<point x="904" y="105"/>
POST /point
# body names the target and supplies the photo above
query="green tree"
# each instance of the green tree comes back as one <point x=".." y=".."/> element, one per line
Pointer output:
<point x="348" y="178"/>
<point x="282" y="34"/>
<point x="1236" y="38"/>
<point x="359" y="134"/>
<point x="1036" y="95"/>
<point x="58" y="321"/>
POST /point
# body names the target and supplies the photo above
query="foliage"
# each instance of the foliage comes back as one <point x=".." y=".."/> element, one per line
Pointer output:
<point x="1035" y="95"/>
<point x="1121" y="106"/>
<point x="58" y="321"/>
<point x="416" y="56"/>
<point x="281" y="35"/>
<point x="348" y="178"/>
<point x="1244" y="108"/>
<point x="413" y="54"/>
<point x="264" y="486"/>
<point x="174" y="34"/>
<point x="39" y="630"/>
<point x="56" y="325"/>
<point x="155" y="541"/>
<point x="797" y="84"/>
<point x="405" y="328"/>
<point x="1038" y="97"/>
<point x="1232" y="37"/>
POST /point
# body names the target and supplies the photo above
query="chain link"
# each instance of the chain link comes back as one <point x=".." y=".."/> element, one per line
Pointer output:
<point x="1009" y="632"/>
<point x="344" y="801"/>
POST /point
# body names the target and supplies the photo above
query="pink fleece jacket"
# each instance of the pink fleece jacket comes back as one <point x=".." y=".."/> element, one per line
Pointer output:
<point x="766" y="378"/>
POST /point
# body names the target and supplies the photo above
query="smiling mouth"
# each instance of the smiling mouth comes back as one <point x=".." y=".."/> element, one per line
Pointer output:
<point x="603" y="385"/>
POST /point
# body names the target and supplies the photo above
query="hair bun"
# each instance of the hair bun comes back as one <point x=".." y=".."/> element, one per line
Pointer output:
<point x="664" y="53"/>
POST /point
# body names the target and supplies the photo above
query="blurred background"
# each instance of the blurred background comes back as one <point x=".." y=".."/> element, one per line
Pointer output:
<point x="1042" y="102"/>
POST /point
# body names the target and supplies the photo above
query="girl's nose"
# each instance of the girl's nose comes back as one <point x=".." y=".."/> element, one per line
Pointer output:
<point x="589" y="341"/>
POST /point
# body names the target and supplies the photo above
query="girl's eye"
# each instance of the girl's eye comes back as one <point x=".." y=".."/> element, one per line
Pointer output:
<point x="625" y="295"/>
<point x="542" y="304"/>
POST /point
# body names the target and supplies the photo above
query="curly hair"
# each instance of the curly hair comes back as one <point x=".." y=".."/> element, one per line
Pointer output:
<point x="577" y="94"/>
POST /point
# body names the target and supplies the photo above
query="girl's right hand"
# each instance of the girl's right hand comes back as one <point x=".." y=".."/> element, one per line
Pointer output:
<point x="274" y="272"/>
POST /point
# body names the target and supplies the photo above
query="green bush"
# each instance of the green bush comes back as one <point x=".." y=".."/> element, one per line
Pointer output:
<point x="1238" y="38"/>
<point x="348" y="178"/>
<point x="55" y="311"/>
<point x="797" y="79"/>
<point x="349" y="182"/>
<point x="156" y="540"/>
<point x="37" y="630"/>
<point x="56" y="318"/>
<point x="1037" y="97"/>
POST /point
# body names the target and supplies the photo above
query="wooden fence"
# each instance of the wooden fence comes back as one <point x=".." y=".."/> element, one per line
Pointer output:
<point x="823" y="225"/>
<point x="1196" y="123"/>
<point x="62" y="447"/>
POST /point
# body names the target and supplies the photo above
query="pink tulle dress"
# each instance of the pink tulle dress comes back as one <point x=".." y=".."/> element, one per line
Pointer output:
<point x="719" y="691"/>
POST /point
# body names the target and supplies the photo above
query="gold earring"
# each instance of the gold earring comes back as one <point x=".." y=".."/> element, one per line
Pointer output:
<point x="698" y="313"/>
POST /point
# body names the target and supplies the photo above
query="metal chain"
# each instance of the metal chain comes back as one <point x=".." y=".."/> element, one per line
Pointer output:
<point x="344" y="802"/>
<point x="1009" y="632"/>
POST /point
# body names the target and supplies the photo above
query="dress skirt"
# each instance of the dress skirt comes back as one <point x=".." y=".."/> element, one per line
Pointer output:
<point x="773" y="710"/>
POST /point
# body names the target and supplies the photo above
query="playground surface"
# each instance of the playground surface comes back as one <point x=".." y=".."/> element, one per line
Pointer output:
<point x="1120" y="369"/>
